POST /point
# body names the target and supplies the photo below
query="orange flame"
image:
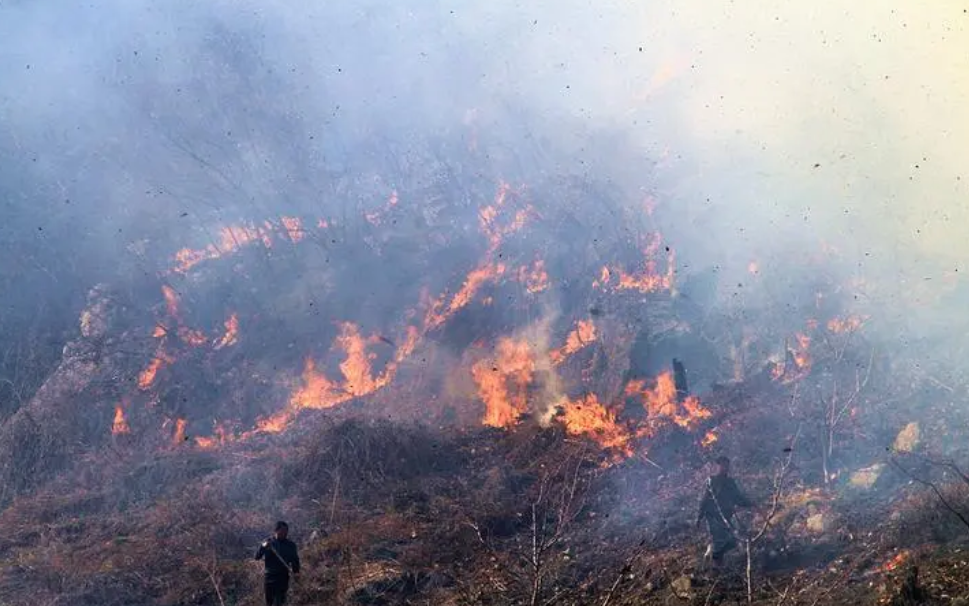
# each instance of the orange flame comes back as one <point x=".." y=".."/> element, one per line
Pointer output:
<point x="320" y="392"/>
<point x="147" y="376"/>
<point x="583" y="334"/>
<point x="650" y="278"/>
<point x="195" y="338"/>
<point x="171" y="300"/>
<point x="897" y="561"/>
<point x="222" y="436"/>
<point x="375" y="218"/>
<point x="293" y="227"/>
<point x="535" y="278"/>
<point x="231" y="335"/>
<point x="710" y="439"/>
<point x="179" y="436"/>
<point x="119" y="426"/>
<point x="234" y="237"/>
<point x="660" y="402"/>
<point x="800" y="353"/>
<point x="472" y="284"/>
<point x="845" y="325"/>
<point x="503" y="382"/>
<point x="586" y="416"/>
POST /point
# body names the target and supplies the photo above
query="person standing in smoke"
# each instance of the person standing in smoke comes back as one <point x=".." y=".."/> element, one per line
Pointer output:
<point x="281" y="558"/>
<point x="721" y="498"/>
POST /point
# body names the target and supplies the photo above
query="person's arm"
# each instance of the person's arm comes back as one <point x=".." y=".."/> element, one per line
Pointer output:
<point x="295" y="561"/>
<point x="261" y="551"/>
<point x="740" y="498"/>
<point x="703" y="506"/>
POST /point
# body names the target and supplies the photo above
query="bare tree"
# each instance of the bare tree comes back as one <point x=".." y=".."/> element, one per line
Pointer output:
<point x="560" y="497"/>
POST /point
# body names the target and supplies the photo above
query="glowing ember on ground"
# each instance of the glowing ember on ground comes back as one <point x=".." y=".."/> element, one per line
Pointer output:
<point x="119" y="426"/>
<point x="503" y="382"/>
<point x="583" y="334"/>
<point x="586" y="416"/>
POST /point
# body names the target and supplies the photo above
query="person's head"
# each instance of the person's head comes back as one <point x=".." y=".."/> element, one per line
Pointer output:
<point x="723" y="466"/>
<point x="282" y="529"/>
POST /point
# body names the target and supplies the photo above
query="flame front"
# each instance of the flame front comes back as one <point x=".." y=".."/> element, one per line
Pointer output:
<point x="586" y="416"/>
<point x="649" y="279"/>
<point x="660" y="402"/>
<point x="231" y="335"/>
<point x="535" y="278"/>
<point x="849" y="324"/>
<point x="503" y="382"/>
<point x="583" y="334"/>
<point x="320" y="392"/>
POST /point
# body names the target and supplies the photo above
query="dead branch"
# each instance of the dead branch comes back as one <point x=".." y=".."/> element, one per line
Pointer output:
<point x="776" y="493"/>
<point x="938" y="493"/>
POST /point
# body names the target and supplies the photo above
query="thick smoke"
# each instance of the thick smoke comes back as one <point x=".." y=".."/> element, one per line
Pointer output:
<point x="129" y="129"/>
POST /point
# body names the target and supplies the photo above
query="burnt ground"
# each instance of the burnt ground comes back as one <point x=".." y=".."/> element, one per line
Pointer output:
<point x="387" y="513"/>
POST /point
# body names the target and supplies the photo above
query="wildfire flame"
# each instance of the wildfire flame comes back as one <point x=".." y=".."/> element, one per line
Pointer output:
<point x="583" y="334"/>
<point x="222" y="436"/>
<point x="293" y="227"/>
<point x="534" y="278"/>
<point x="660" y="402"/>
<point x="147" y="376"/>
<point x="849" y="324"/>
<point x="710" y="439"/>
<point x="119" y="426"/>
<point x="798" y="362"/>
<point x="503" y="382"/>
<point x="179" y="435"/>
<point x="320" y="392"/>
<point x="586" y="416"/>
<point x="897" y="561"/>
<point x="472" y="284"/>
<point x="375" y="218"/>
<point x="231" y="335"/>
<point x="649" y="279"/>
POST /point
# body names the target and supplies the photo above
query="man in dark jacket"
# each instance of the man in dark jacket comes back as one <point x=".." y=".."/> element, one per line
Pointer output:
<point x="721" y="498"/>
<point x="281" y="558"/>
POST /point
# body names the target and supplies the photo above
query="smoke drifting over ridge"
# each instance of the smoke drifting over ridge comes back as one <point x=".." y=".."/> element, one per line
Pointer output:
<point x="761" y="133"/>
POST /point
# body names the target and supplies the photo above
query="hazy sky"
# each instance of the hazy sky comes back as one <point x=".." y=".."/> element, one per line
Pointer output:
<point x="774" y="126"/>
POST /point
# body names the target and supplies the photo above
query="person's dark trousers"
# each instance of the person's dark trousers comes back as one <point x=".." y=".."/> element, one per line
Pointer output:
<point x="276" y="591"/>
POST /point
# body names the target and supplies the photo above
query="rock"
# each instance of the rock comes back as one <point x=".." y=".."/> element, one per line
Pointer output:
<point x="682" y="587"/>
<point x="866" y="478"/>
<point x="908" y="438"/>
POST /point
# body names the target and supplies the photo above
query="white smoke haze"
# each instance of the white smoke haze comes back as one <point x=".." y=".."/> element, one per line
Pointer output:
<point x="764" y="132"/>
